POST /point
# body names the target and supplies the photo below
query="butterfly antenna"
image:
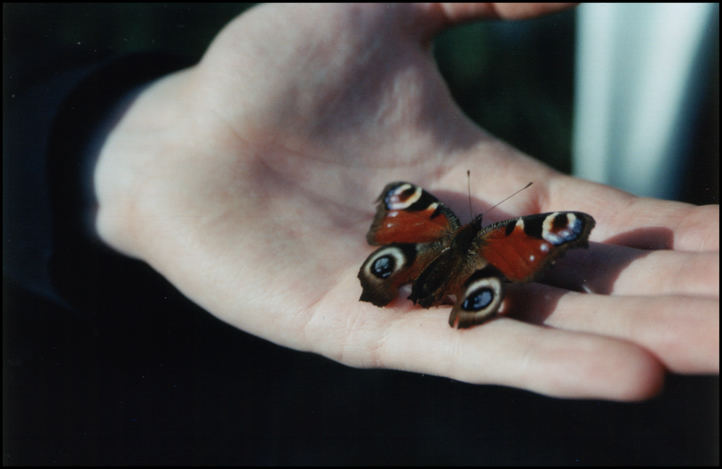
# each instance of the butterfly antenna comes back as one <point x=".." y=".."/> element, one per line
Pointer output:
<point x="507" y="198"/>
<point x="468" y="191"/>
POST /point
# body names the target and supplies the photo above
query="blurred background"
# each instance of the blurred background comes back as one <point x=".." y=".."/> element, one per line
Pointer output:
<point x="626" y="94"/>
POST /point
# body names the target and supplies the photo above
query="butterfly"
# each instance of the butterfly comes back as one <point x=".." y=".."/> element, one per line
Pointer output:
<point x="424" y="244"/>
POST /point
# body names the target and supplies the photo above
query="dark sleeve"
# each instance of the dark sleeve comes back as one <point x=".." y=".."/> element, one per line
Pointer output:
<point x="52" y="134"/>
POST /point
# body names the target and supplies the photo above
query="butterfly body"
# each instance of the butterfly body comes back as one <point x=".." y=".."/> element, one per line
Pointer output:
<point x="423" y="243"/>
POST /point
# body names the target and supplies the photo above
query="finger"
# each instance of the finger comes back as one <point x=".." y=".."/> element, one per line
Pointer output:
<point x="670" y="273"/>
<point x="454" y="13"/>
<point x="437" y="16"/>
<point x="640" y="222"/>
<point x="681" y="331"/>
<point x="620" y="270"/>
<point x="513" y="353"/>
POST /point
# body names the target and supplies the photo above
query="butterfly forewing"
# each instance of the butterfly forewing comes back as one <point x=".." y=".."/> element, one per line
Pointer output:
<point x="520" y="248"/>
<point x="406" y="213"/>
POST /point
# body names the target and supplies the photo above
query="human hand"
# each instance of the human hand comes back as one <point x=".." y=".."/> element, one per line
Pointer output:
<point x="248" y="181"/>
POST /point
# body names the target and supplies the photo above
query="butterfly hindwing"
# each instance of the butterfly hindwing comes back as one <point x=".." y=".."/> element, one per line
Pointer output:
<point x="389" y="267"/>
<point x="478" y="298"/>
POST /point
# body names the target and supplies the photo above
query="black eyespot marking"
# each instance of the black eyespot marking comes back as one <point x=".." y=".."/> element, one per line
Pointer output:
<point x="384" y="266"/>
<point x="510" y="227"/>
<point x="478" y="299"/>
<point x="560" y="222"/>
<point x="423" y="202"/>
<point x="533" y="226"/>
<point x="407" y="193"/>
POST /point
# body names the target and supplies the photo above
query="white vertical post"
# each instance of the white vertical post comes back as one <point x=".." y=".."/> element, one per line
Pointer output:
<point x="637" y="88"/>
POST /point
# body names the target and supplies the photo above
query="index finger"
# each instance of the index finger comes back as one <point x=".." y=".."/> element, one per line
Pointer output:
<point x="639" y="222"/>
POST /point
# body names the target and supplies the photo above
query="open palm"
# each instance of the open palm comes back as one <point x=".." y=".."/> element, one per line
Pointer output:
<point x="249" y="180"/>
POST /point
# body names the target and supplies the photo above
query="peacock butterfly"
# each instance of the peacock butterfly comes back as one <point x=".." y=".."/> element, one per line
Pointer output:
<point x="423" y="243"/>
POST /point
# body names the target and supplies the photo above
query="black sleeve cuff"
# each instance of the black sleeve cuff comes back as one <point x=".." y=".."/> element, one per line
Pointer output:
<point x="49" y="205"/>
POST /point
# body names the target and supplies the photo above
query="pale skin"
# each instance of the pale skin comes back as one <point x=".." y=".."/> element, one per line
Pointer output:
<point x="249" y="181"/>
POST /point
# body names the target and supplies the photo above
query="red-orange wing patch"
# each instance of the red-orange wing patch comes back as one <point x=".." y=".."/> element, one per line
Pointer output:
<point x="520" y="248"/>
<point x="406" y="213"/>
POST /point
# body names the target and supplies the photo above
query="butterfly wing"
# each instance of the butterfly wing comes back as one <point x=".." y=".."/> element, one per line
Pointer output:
<point x="521" y="247"/>
<point x="388" y="268"/>
<point x="516" y="250"/>
<point x="406" y="213"/>
<point x="478" y="298"/>
<point x="413" y="227"/>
